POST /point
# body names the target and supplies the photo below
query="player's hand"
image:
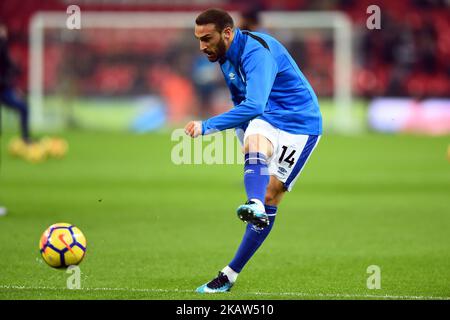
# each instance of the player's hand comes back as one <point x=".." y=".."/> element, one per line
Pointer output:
<point x="193" y="129"/>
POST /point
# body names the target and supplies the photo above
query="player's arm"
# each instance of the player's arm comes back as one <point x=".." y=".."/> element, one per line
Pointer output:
<point x="260" y="69"/>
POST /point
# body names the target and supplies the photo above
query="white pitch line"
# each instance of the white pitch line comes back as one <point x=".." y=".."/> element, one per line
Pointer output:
<point x="95" y="289"/>
<point x="296" y="294"/>
<point x="345" y="295"/>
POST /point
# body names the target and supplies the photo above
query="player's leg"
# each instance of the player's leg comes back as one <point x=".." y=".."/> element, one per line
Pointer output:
<point x="252" y="240"/>
<point x="275" y="192"/>
<point x="291" y="155"/>
<point x="255" y="236"/>
<point x="258" y="149"/>
<point x="291" y="152"/>
<point x="10" y="99"/>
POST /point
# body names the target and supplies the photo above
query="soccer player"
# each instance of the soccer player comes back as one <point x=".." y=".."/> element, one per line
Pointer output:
<point x="9" y="96"/>
<point x="277" y="119"/>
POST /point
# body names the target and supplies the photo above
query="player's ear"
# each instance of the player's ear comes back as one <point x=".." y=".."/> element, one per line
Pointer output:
<point x="227" y="32"/>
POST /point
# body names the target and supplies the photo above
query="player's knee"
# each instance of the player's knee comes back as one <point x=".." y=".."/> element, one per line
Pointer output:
<point x="272" y="197"/>
<point x="269" y="199"/>
<point x="251" y="145"/>
<point x="258" y="143"/>
<point x="275" y="192"/>
<point x="19" y="106"/>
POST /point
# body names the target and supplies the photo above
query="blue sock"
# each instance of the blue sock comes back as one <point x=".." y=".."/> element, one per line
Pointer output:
<point x="256" y="175"/>
<point x="253" y="238"/>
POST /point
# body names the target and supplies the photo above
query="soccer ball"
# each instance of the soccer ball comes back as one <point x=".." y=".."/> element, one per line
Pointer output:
<point x="62" y="245"/>
<point x="35" y="153"/>
<point x="55" y="147"/>
<point x="17" y="147"/>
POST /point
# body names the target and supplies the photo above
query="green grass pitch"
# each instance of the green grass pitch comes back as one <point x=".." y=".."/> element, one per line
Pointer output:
<point x="157" y="231"/>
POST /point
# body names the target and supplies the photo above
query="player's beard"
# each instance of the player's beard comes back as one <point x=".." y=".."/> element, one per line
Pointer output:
<point x="221" y="49"/>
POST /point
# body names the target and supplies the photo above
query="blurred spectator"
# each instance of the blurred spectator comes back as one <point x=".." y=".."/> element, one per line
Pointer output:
<point x="207" y="81"/>
<point x="250" y="20"/>
<point x="176" y="91"/>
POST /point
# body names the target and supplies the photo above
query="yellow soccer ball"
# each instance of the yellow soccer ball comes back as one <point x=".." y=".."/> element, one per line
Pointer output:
<point x="17" y="147"/>
<point x="55" y="147"/>
<point x="35" y="153"/>
<point x="62" y="245"/>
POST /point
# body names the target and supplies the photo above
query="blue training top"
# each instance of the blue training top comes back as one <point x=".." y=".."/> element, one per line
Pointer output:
<point x="265" y="83"/>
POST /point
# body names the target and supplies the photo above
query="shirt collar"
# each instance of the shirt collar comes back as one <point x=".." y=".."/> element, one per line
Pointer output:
<point x="235" y="50"/>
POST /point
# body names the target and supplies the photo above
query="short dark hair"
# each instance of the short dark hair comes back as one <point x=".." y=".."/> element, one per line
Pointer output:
<point x="220" y="18"/>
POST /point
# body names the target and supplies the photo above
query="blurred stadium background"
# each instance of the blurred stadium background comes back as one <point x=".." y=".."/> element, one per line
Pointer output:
<point x="134" y="67"/>
<point x="125" y="75"/>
